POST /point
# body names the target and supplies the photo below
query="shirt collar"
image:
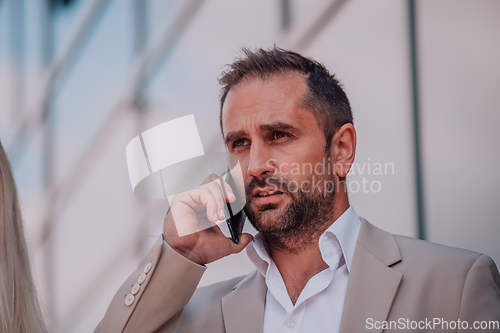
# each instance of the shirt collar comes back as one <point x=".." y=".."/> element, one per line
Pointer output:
<point x="340" y="237"/>
<point x="345" y="231"/>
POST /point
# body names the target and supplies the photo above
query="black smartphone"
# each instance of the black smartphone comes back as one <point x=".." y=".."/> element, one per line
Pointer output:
<point x="235" y="221"/>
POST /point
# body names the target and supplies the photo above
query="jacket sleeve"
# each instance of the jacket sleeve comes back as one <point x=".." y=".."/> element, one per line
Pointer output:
<point x="481" y="297"/>
<point x="168" y="282"/>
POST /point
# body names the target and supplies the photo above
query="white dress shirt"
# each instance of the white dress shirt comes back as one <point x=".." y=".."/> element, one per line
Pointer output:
<point x="319" y="306"/>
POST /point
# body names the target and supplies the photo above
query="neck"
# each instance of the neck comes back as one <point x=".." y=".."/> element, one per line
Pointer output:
<point x="297" y="268"/>
<point x="300" y="259"/>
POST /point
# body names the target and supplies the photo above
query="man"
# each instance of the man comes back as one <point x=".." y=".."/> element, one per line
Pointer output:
<point x="319" y="267"/>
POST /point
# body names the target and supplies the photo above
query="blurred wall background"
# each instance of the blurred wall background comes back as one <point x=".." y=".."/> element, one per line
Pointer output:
<point x="79" y="79"/>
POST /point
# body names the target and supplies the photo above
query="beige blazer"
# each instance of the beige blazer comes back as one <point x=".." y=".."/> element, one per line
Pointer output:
<point x="392" y="278"/>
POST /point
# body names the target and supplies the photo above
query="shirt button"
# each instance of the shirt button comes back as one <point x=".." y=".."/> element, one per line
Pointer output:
<point x="291" y="324"/>
<point x="141" y="278"/>
<point x="148" y="267"/>
<point x="129" y="300"/>
<point x="135" y="288"/>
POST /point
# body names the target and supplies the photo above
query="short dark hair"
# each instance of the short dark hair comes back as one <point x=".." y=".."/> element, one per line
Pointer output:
<point x="326" y="98"/>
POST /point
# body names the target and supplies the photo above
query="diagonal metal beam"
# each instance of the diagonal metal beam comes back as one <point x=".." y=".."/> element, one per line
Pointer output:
<point x="33" y="119"/>
<point x="319" y="25"/>
<point x="62" y="194"/>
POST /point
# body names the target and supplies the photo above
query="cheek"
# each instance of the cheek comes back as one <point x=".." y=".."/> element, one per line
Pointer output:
<point x="291" y="169"/>
<point x="245" y="177"/>
<point x="301" y="167"/>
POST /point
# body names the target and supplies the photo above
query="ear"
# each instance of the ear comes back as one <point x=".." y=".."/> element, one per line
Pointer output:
<point x="343" y="149"/>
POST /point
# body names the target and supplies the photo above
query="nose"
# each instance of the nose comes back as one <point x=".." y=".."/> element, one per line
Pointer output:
<point x="260" y="161"/>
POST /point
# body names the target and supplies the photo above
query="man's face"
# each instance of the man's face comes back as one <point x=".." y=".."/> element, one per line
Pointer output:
<point x="281" y="149"/>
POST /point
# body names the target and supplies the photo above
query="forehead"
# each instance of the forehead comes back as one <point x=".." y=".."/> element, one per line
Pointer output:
<point x="260" y="101"/>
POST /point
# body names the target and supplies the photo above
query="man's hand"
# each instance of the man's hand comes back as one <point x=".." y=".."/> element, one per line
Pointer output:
<point x="193" y="214"/>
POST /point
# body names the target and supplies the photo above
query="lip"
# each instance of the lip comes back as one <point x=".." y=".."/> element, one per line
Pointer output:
<point x="267" y="200"/>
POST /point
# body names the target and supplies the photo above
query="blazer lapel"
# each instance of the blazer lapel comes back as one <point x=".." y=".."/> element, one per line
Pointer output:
<point x="243" y="308"/>
<point x="372" y="283"/>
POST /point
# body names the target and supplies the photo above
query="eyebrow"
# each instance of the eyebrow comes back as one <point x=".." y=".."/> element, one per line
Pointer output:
<point x="277" y="126"/>
<point x="265" y="127"/>
<point x="234" y="135"/>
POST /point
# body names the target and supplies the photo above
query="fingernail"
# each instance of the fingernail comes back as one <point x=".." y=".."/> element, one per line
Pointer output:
<point x="230" y="195"/>
<point x="221" y="213"/>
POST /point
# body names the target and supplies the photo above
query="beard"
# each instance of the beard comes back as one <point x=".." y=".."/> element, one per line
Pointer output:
<point x="301" y="222"/>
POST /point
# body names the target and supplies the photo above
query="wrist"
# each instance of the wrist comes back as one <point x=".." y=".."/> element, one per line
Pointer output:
<point x="184" y="252"/>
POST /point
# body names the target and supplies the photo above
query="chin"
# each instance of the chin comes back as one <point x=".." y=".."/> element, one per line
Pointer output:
<point x="266" y="218"/>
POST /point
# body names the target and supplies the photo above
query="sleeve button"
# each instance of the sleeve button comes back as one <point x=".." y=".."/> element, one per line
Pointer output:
<point x="135" y="288"/>
<point x="129" y="300"/>
<point x="148" y="267"/>
<point x="141" y="278"/>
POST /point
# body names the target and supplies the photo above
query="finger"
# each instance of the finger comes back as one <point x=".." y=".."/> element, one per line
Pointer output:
<point x="207" y="199"/>
<point x="218" y="195"/>
<point x="230" y="197"/>
<point x="229" y="194"/>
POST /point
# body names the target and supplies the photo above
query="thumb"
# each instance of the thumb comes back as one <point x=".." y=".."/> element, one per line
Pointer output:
<point x="245" y="239"/>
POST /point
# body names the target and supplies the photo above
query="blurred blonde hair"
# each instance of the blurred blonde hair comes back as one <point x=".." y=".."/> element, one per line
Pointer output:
<point x="19" y="305"/>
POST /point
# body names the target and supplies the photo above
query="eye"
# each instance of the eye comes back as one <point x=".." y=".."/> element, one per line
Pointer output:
<point x="279" y="135"/>
<point x="240" y="143"/>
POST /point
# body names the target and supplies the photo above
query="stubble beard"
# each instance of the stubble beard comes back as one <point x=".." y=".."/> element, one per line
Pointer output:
<point x="300" y="223"/>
